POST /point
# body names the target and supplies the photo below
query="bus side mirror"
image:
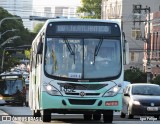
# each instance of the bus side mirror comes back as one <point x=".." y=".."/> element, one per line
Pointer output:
<point x="126" y="52"/>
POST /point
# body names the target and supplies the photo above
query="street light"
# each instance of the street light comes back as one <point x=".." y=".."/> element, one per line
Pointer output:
<point x="12" y="30"/>
<point x="9" y="40"/>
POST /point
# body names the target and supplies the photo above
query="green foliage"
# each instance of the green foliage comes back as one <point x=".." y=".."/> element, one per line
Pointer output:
<point x="8" y="24"/>
<point x="26" y="37"/>
<point x="90" y="8"/>
<point x="156" y="80"/>
<point x="27" y="53"/>
<point x="135" y="75"/>
<point x="38" y="27"/>
<point x="10" y="62"/>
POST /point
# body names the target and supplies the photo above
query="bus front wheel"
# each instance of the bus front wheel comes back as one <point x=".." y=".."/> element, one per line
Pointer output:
<point x="46" y="116"/>
<point x="108" y="116"/>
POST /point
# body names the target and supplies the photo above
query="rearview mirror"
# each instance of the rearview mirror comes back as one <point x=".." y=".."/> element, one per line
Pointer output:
<point x="126" y="94"/>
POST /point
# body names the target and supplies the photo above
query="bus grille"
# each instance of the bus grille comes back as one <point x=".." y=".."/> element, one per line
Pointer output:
<point x="81" y="102"/>
<point x="86" y="94"/>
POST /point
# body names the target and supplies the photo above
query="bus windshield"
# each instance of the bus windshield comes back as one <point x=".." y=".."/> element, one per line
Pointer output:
<point x="83" y="58"/>
<point x="10" y="87"/>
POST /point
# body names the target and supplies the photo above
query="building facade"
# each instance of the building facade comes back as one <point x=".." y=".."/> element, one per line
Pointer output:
<point x="154" y="43"/>
<point x="55" y="8"/>
<point x="130" y="21"/>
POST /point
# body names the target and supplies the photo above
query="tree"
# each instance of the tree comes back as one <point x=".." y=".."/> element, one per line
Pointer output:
<point x="135" y="75"/>
<point x="26" y="37"/>
<point x="156" y="80"/>
<point x="27" y="53"/>
<point x="38" y="27"/>
<point x="90" y="8"/>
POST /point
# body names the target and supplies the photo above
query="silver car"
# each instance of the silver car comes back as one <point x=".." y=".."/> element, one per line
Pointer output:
<point x="141" y="99"/>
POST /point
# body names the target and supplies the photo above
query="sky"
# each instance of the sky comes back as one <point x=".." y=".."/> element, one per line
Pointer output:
<point x="57" y="2"/>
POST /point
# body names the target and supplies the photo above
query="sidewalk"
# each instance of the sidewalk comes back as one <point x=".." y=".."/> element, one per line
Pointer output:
<point x="3" y="118"/>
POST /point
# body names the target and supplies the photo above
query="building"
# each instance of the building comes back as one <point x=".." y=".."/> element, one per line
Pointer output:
<point x="134" y="31"/>
<point x="55" y="8"/>
<point x="154" y="44"/>
<point x="22" y="8"/>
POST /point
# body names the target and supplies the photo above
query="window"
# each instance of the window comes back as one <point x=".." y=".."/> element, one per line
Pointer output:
<point x="136" y="33"/>
<point x="134" y="56"/>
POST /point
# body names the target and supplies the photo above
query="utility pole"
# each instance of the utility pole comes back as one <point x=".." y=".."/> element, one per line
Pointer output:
<point x="137" y="10"/>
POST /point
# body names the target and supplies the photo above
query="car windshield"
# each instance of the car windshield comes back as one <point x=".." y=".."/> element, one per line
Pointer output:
<point x="146" y="90"/>
<point x="82" y="58"/>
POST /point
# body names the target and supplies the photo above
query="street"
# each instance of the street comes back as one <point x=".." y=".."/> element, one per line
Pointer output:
<point x="22" y="115"/>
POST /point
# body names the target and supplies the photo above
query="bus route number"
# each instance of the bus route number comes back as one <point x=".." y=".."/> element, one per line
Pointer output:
<point x="67" y="88"/>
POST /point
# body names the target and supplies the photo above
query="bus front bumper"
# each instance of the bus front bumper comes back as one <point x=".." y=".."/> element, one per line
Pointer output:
<point x="86" y="103"/>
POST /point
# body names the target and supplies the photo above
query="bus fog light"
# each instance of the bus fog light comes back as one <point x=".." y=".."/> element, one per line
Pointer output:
<point x="52" y="90"/>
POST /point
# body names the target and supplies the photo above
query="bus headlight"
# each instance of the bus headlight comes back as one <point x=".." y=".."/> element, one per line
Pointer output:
<point x="113" y="91"/>
<point x="52" y="90"/>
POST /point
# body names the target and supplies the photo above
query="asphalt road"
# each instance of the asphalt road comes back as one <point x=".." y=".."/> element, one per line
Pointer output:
<point x="23" y="115"/>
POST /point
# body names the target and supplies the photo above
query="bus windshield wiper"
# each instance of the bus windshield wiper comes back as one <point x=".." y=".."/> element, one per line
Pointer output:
<point x="70" y="48"/>
<point x="97" y="48"/>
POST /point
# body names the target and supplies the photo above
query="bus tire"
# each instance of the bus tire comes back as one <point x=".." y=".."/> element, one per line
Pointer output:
<point x="108" y="116"/>
<point x="97" y="116"/>
<point x="36" y="114"/>
<point x="46" y="116"/>
<point x="87" y="117"/>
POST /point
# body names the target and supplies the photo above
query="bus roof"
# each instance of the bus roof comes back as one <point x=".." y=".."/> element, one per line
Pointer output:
<point x="77" y="19"/>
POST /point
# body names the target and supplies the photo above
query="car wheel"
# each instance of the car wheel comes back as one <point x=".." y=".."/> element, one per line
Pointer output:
<point x="123" y="115"/>
<point x="130" y="116"/>
<point x="108" y="116"/>
<point x="87" y="117"/>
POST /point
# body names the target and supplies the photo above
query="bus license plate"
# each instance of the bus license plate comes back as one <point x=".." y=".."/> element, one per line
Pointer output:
<point x="152" y="108"/>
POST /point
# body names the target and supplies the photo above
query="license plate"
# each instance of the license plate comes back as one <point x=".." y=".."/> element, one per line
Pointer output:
<point x="152" y="108"/>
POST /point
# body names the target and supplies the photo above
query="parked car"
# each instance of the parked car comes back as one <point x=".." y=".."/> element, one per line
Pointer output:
<point x="141" y="99"/>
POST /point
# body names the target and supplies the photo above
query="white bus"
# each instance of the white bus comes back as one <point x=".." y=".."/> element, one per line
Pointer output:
<point x="76" y="67"/>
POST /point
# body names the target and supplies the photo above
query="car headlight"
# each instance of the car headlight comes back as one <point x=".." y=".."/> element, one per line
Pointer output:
<point x="113" y="91"/>
<point x="52" y="90"/>
<point x="136" y="103"/>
